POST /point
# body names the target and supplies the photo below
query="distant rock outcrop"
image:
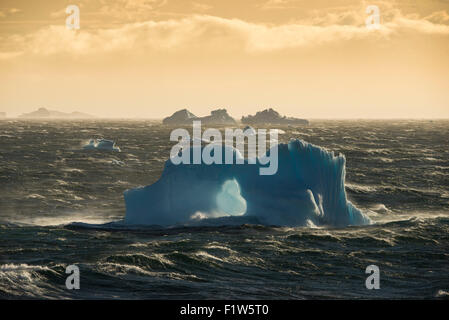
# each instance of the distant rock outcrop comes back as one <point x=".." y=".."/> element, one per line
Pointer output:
<point x="43" y="113"/>
<point x="185" y="117"/>
<point x="2" y="115"/>
<point x="219" y="116"/>
<point x="270" y="116"/>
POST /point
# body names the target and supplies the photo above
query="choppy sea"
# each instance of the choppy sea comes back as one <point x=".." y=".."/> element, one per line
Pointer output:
<point x="397" y="172"/>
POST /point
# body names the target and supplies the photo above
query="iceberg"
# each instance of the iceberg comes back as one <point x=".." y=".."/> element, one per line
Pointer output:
<point x="101" y="144"/>
<point x="219" y="116"/>
<point x="308" y="189"/>
<point x="44" y="113"/>
<point x="185" y="117"/>
<point x="180" y="117"/>
<point x="270" y="116"/>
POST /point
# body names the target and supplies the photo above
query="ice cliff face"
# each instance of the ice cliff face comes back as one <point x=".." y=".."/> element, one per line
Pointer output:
<point x="308" y="188"/>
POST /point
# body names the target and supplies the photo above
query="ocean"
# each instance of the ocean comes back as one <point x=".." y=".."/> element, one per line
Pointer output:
<point x="59" y="202"/>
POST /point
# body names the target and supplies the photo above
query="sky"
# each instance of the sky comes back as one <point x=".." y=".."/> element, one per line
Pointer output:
<point x="150" y="58"/>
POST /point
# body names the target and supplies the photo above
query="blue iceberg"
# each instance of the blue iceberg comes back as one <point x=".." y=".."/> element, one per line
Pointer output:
<point x="308" y="189"/>
<point x="101" y="144"/>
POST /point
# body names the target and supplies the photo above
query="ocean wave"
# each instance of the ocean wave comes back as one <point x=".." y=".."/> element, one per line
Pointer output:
<point x="442" y="294"/>
<point x="23" y="280"/>
<point x="153" y="262"/>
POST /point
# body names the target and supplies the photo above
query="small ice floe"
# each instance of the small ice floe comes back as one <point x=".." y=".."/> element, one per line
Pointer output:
<point x="119" y="163"/>
<point x="101" y="144"/>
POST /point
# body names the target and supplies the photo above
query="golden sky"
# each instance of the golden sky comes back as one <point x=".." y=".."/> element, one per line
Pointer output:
<point x="149" y="58"/>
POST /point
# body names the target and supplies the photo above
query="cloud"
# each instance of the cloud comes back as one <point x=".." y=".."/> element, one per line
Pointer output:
<point x="201" y="7"/>
<point x="117" y="10"/>
<point x="130" y="9"/>
<point x="276" y="4"/>
<point x="14" y="10"/>
<point x="439" y="17"/>
<point x="59" y="14"/>
<point x="9" y="12"/>
<point x="215" y="33"/>
<point x="9" y="55"/>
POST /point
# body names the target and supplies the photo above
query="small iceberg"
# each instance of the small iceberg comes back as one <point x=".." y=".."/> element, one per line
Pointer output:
<point x="119" y="163"/>
<point x="101" y="144"/>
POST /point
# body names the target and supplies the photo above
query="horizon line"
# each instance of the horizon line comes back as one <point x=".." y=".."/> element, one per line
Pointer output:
<point x="238" y="120"/>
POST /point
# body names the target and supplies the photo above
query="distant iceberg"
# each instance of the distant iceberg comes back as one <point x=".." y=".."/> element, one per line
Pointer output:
<point x="119" y="163"/>
<point x="185" y="117"/>
<point x="43" y="113"/>
<point x="308" y="189"/>
<point x="101" y="144"/>
<point x="270" y="116"/>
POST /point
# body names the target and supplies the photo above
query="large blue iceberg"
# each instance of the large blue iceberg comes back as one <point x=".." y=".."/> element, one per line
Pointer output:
<point x="308" y="189"/>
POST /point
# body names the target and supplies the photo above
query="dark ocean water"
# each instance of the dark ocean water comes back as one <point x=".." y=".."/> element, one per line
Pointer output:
<point x="397" y="173"/>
